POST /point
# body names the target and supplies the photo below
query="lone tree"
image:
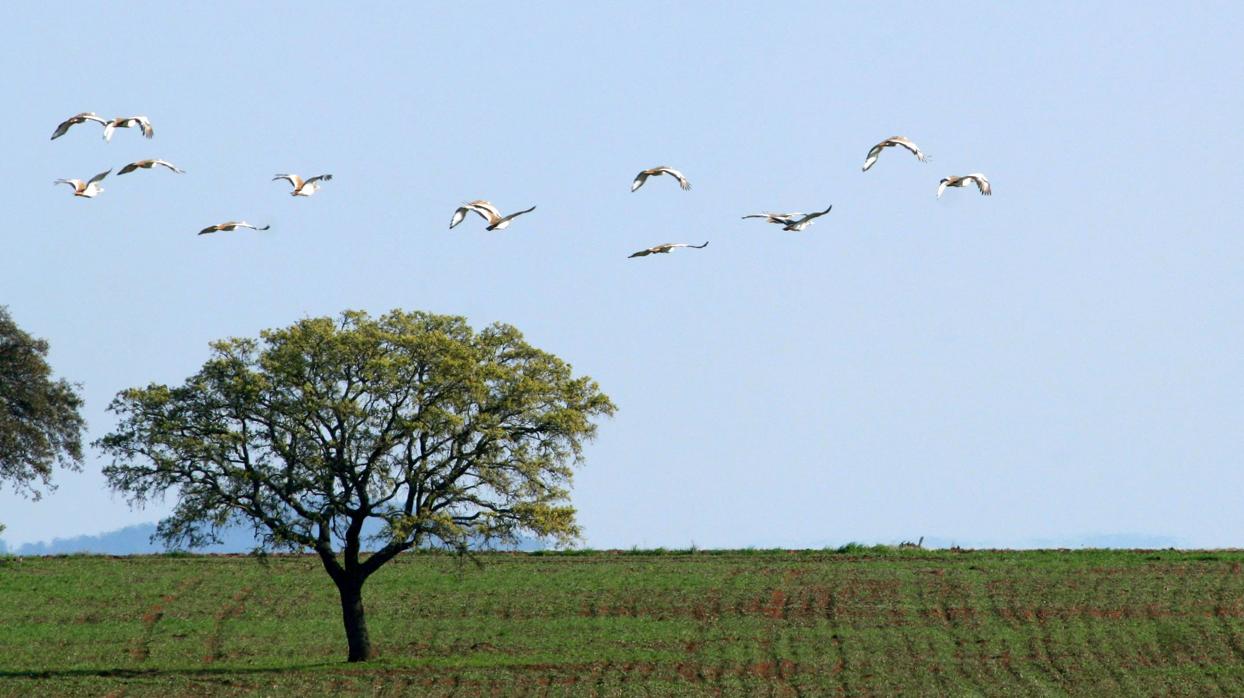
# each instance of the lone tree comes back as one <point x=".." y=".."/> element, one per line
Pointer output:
<point x="40" y="423"/>
<point x="436" y="433"/>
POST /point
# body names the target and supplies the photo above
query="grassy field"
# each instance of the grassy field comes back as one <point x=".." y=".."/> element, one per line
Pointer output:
<point x="710" y="623"/>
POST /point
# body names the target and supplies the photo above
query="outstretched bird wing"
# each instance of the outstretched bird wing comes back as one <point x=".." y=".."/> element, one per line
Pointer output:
<point x="815" y="214"/>
<point x="873" y="153"/>
<point x="981" y="183"/>
<point x="682" y="181"/>
<point x="126" y="122"/>
<point x="485" y="209"/>
<point x="915" y="150"/>
<point x="85" y="116"/>
<point x="666" y="247"/>
<point x="461" y="212"/>
<point x="779" y="218"/>
<point x="143" y="124"/>
<point x="503" y="222"/>
<point x="291" y="178"/>
<point x="484" y="205"/>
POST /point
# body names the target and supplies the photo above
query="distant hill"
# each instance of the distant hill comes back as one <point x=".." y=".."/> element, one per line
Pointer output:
<point x="131" y="540"/>
<point x="136" y="540"/>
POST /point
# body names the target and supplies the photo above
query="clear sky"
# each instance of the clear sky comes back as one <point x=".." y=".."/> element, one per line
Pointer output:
<point x="1060" y="360"/>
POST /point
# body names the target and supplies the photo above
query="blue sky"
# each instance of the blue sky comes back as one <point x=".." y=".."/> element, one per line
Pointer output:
<point x="1057" y="361"/>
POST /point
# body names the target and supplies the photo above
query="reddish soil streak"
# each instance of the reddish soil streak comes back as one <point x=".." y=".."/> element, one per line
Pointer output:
<point x="235" y="608"/>
<point x="140" y="650"/>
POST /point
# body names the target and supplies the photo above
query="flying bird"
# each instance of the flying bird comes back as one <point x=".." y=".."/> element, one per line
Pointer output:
<point x="890" y="142"/>
<point x="779" y="218"/>
<point x="84" y="117"/>
<point x="147" y="165"/>
<point x="87" y="189"/>
<point x="479" y="206"/>
<point x="303" y="187"/>
<point x="127" y="121"/>
<point x="496" y="221"/>
<point x="801" y="223"/>
<point x="952" y="181"/>
<point x="231" y="225"/>
<point x="656" y="171"/>
<point x="665" y="249"/>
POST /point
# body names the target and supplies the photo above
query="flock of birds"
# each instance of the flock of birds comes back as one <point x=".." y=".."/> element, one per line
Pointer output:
<point x="92" y="188"/>
<point x="793" y="221"/>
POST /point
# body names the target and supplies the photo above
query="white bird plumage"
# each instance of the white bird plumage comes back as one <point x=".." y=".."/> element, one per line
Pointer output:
<point x="147" y="165"/>
<point x="87" y="189"/>
<point x="496" y="222"/>
<point x="875" y="151"/>
<point x="981" y="182"/>
<point x="778" y="218"/>
<point x="800" y="223"/>
<point x="665" y="248"/>
<point x="490" y="213"/>
<point x="479" y="206"/>
<point x="303" y="187"/>
<point x="657" y="171"/>
<point x="230" y="225"/>
<point x="127" y="121"/>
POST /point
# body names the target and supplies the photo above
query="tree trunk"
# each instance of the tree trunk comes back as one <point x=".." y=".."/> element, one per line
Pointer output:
<point x="355" y="622"/>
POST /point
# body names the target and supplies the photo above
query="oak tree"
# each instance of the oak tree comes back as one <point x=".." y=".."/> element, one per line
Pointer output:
<point x="414" y="423"/>
<point x="40" y="421"/>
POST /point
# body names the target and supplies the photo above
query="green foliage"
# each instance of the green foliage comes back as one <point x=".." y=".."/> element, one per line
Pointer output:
<point x="444" y="435"/>
<point x="813" y="623"/>
<point x="40" y="423"/>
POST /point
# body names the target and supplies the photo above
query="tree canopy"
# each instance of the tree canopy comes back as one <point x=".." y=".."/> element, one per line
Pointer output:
<point x="438" y="433"/>
<point x="41" y="425"/>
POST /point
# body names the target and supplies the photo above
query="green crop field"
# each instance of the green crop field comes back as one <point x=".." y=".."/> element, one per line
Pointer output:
<point x="739" y="623"/>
